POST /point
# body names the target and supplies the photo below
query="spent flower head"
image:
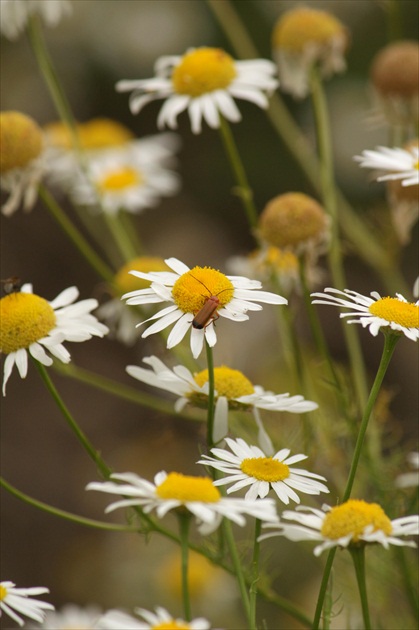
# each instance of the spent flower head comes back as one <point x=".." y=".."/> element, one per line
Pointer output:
<point x="15" y="600"/>
<point x="352" y="523"/>
<point x="29" y="324"/>
<point x="190" y="290"/>
<point x="175" y="491"/>
<point x="15" y="14"/>
<point x="247" y="466"/>
<point x="233" y="390"/>
<point x="160" y="619"/>
<point x="302" y="38"/>
<point x="204" y="81"/>
<point x="23" y="160"/>
<point x="393" y="314"/>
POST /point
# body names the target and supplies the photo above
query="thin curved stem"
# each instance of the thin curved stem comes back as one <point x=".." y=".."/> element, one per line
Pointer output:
<point x="255" y="575"/>
<point x="358" y="557"/>
<point x="238" y="569"/>
<point x="211" y="396"/>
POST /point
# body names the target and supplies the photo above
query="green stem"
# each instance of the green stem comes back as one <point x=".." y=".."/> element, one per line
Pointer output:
<point x="358" y="557"/>
<point x="390" y="340"/>
<point x="243" y="189"/>
<point x="74" y="518"/>
<point x="93" y="454"/>
<point x="211" y="396"/>
<point x="408" y="580"/>
<point x="238" y="570"/>
<point x="75" y="236"/>
<point x="51" y="78"/>
<point x="121" y="236"/>
<point x="118" y="389"/>
<point x="335" y="255"/>
<point x="184" y="522"/>
<point x="255" y="576"/>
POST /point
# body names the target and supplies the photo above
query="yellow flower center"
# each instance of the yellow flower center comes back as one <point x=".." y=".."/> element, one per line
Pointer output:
<point x="21" y="140"/>
<point x="299" y="27"/>
<point x="353" y="517"/>
<point x="265" y="469"/>
<point x="98" y="133"/>
<point x="24" y="319"/>
<point x="229" y="383"/>
<point x="171" y="625"/>
<point x="125" y="281"/>
<point x="203" y="70"/>
<point x="292" y="219"/>
<point x="3" y="592"/>
<point x="191" y="291"/>
<point x="394" y="310"/>
<point x="186" y="488"/>
<point x="117" y="180"/>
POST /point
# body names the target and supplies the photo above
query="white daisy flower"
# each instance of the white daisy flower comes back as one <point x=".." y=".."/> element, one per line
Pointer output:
<point x="161" y="618"/>
<point x="351" y="523"/>
<point x="249" y="466"/>
<point x="31" y="324"/>
<point x="402" y="163"/>
<point x="199" y="495"/>
<point x="199" y="296"/>
<point x="18" y="599"/>
<point x="16" y="13"/>
<point x="204" y="81"/>
<point x="71" y="617"/>
<point x="410" y="479"/>
<point x="375" y="312"/>
<point x="232" y="390"/>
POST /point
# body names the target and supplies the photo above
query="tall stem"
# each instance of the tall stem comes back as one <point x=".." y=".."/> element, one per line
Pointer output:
<point x="243" y="189"/>
<point x="211" y="396"/>
<point x="184" y="522"/>
<point x="255" y="575"/>
<point x="390" y="341"/>
<point x="238" y="570"/>
<point x="335" y="255"/>
<point x="358" y="557"/>
<point x="75" y="236"/>
<point x="91" y="451"/>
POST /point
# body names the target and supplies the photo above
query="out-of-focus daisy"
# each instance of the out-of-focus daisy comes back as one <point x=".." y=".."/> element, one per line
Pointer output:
<point x="18" y="600"/>
<point x="404" y="201"/>
<point x="31" y="324"/>
<point x="204" y="81"/>
<point x="416" y="288"/>
<point x="410" y="479"/>
<point x="247" y="465"/>
<point x="159" y="619"/>
<point x="232" y="390"/>
<point x="403" y="164"/>
<point x="23" y="160"/>
<point x="16" y="13"/>
<point x="295" y="222"/>
<point x="116" y="314"/>
<point x="394" y="75"/>
<point x="375" y="312"/>
<point x="304" y="37"/>
<point x="71" y="617"/>
<point x="354" y="522"/>
<point x="199" y="495"/>
<point x="190" y="290"/>
<point x="95" y="134"/>
<point x="267" y="262"/>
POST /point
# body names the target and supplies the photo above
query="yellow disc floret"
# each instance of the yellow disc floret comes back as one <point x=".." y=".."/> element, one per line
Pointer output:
<point x="300" y="27"/>
<point x="292" y="219"/>
<point x="396" y="311"/>
<point x="186" y="488"/>
<point x="353" y="517"/>
<point x="126" y="282"/>
<point x="98" y="133"/>
<point x="21" y="140"/>
<point x="120" y="179"/>
<point x="265" y="469"/>
<point x="191" y="291"/>
<point x="229" y="383"/>
<point x="3" y="592"/>
<point x="203" y="70"/>
<point x="171" y="625"/>
<point x="24" y="319"/>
